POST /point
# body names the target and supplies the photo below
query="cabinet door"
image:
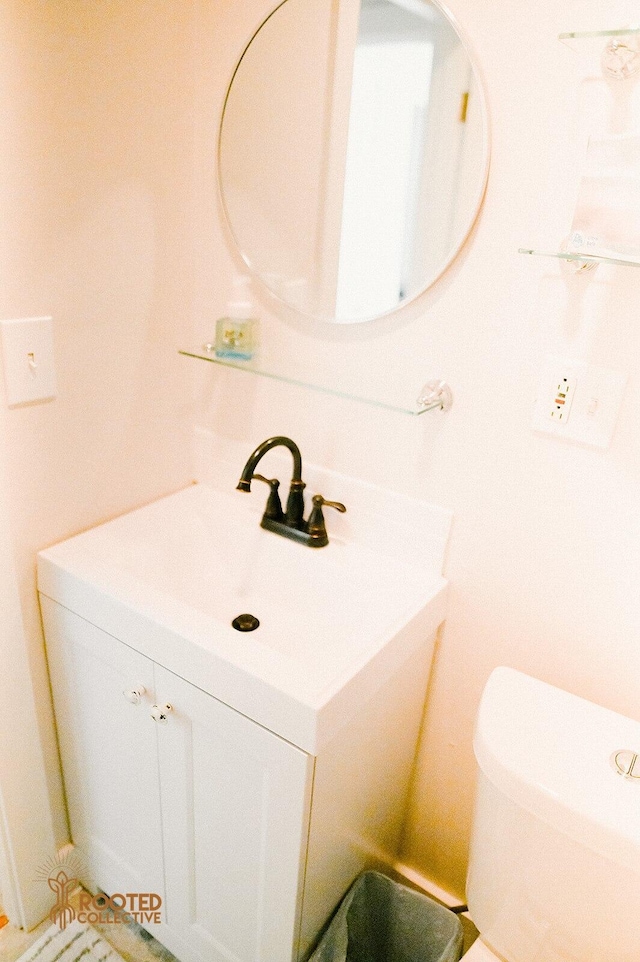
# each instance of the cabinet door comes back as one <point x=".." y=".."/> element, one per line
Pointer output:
<point x="108" y="747"/>
<point x="235" y="808"/>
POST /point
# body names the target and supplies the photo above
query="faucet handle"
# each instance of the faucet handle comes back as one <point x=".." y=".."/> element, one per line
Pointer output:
<point x="273" y="510"/>
<point x="272" y="482"/>
<point x="315" y="525"/>
<point x="320" y="502"/>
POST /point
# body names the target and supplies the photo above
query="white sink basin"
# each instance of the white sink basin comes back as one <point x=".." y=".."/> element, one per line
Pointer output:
<point x="335" y="622"/>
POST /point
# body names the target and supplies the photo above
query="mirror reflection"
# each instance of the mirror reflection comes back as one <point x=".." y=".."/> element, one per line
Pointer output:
<point x="353" y="153"/>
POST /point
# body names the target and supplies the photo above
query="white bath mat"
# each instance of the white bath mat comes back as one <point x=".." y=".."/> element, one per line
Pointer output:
<point x="76" y="943"/>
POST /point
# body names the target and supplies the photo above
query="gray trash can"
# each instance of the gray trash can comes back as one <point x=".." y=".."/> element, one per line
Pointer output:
<point x="381" y="921"/>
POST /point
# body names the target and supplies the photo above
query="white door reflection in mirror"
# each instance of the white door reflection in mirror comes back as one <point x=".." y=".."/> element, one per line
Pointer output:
<point x="353" y="153"/>
<point x="386" y="135"/>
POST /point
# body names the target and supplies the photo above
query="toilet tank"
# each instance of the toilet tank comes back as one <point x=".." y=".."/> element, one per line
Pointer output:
<point x="554" y="873"/>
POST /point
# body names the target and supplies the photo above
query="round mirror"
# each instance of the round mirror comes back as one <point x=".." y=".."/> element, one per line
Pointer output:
<point x="353" y="153"/>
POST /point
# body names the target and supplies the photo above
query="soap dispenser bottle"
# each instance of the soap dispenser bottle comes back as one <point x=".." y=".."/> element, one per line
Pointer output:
<point x="236" y="334"/>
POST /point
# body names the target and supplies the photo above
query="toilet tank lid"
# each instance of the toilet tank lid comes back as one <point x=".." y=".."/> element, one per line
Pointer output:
<point x="551" y="752"/>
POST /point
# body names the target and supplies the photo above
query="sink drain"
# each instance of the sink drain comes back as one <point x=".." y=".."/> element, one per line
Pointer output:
<point x="245" y="623"/>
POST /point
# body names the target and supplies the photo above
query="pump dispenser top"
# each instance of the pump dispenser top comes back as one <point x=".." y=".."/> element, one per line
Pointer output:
<point x="240" y="307"/>
<point x="236" y="334"/>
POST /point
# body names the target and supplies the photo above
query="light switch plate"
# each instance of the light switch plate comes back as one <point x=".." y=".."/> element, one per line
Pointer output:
<point x="27" y="355"/>
<point x="597" y="397"/>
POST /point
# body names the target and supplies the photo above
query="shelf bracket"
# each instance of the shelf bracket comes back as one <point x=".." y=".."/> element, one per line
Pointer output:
<point x="435" y="395"/>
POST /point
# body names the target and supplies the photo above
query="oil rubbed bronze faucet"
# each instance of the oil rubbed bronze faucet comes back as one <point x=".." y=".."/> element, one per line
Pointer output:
<point x="289" y="523"/>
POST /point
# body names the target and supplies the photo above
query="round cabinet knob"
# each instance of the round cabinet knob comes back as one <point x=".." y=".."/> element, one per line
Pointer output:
<point x="160" y="713"/>
<point x="134" y="695"/>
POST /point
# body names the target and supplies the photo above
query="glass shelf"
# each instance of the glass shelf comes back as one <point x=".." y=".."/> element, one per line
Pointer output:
<point x="597" y="34"/>
<point x="617" y="51"/>
<point x="254" y="366"/>
<point x="593" y="259"/>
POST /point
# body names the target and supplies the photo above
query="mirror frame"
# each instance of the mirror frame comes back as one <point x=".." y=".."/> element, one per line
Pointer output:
<point x="465" y="234"/>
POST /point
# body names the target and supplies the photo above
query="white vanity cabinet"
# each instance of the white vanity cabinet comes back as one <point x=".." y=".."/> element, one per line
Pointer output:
<point x="235" y="808"/>
<point x="282" y="767"/>
<point x="208" y="800"/>
<point x="249" y="840"/>
<point x="108" y="748"/>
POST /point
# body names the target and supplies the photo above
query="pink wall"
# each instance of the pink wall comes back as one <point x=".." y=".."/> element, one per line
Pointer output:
<point x="97" y="195"/>
<point x="112" y="226"/>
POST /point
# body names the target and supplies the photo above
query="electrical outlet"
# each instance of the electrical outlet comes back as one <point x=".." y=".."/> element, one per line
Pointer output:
<point x="578" y="401"/>
<point x="563" y="399"/>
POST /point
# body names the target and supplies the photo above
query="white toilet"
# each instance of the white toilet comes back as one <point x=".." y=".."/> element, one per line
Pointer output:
<point x="554" y="874"/>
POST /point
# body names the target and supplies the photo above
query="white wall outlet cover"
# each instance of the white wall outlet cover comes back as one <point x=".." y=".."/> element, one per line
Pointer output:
<point x="595" y="396"/>
<point x="27" y="356"/>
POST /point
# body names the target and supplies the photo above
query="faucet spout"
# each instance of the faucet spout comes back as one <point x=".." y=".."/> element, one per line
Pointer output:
<point x="295" y="503"/>
<point x="291" y="523"/>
